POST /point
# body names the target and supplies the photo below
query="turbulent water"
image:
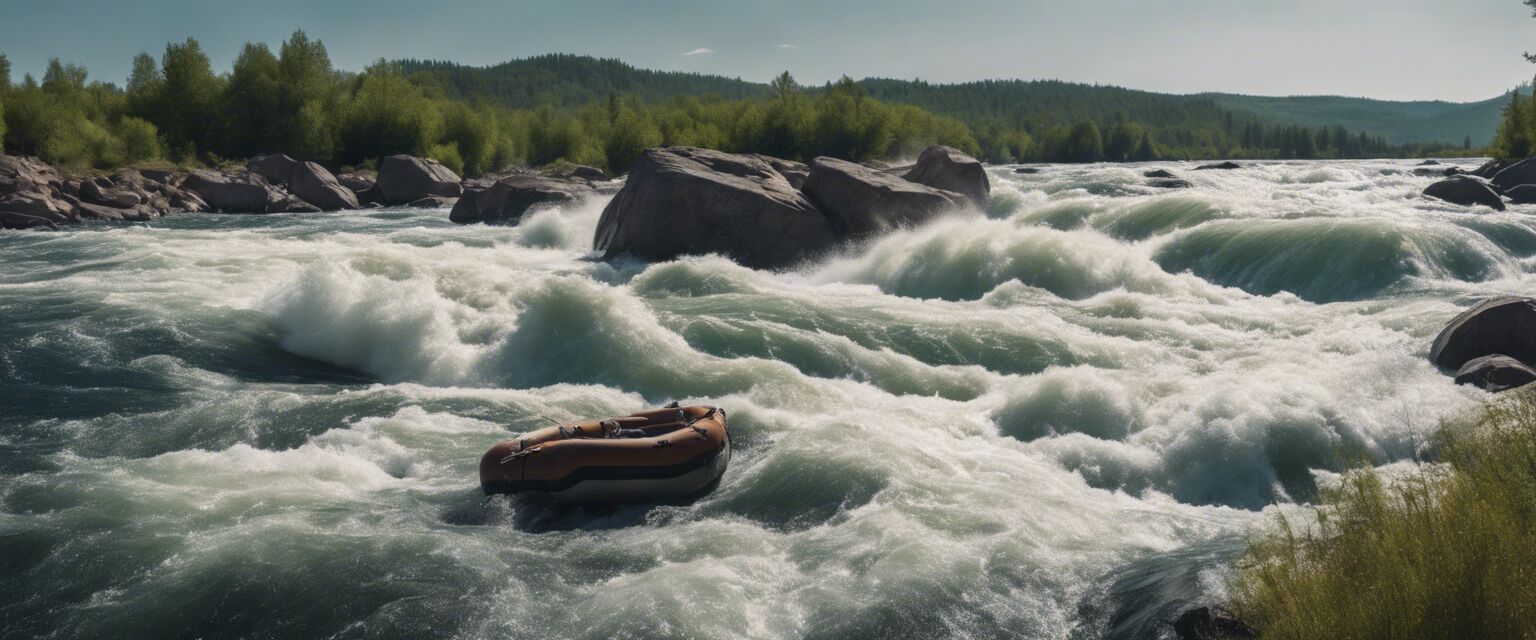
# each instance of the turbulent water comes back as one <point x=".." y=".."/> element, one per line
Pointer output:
<point x="1058" y="418"/>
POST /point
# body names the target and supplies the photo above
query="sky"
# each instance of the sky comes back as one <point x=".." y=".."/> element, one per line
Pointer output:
<point x="1458" y="50"/>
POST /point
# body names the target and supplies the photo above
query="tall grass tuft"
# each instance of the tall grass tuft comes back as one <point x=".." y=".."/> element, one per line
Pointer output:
<point x="1448" y="551"/>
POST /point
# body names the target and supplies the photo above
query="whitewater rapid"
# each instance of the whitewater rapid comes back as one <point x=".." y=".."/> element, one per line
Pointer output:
<point x="1057" y="418"/>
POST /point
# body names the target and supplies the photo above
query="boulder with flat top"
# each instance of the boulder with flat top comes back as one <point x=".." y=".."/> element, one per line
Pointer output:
<point x="236" y="192"/>
<point x="1467" y="191"/>
<point x="688" y="201"/>
<point x="505" y="201"/>
<point x="1495" y="373"/>
<point x="405" y="179"/>
<point x="948" y="169"/>
<point x="312" y="183"/>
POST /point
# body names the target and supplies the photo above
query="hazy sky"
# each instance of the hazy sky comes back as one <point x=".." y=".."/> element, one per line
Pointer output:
<point x="1396" y="49"/>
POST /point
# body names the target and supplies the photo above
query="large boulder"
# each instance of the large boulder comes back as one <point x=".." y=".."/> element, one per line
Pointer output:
<point x="947" y="168"/>
<point x="1519" y="173"/>
<point x="505" y="201"/>
<point x="1495" y="373"/>
<point x="1490" y="169"/>
<point x="794" y="172"/>
<point x="10" y="220"/>
<point x="1160" y="173"/>
<point x="312" y="183"/>
<point x="683" y="200"/>
<point x="404" y="179"/>
<point x="242" y="192"/>
<point x="39" y="204"/>
<point x="1523" y="194"/>
<point x="1501" y="326"/>
<point x="863" y="202"/>
<point x="1466" y="191"/>
<point x="25" y="173"/>
<point x="275" y="167"/>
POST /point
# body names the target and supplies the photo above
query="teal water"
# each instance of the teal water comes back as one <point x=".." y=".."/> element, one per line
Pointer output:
<point x="1047" y="420"/>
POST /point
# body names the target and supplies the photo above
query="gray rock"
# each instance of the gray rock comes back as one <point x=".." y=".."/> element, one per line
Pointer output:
<point x="1519" y="173"/>
<point x="1501" y="326"/>
<point x="275" y="167"/>
<point x="1490" y="169"/>
<point x="1211" y="623"/>
<point x="1466" y="191"/>
<point x="1523" y="194"/>
<point x="405" y="179"/>
<point x="584" y="172"/>
<point x="103" y="192"/>
<point x="312" y="183"/>
<point x="505" y="201"/>
<point x="1159" y="173"/>
<point x="1429" y="163"/>
<point x="432" y="202"/>
<point x="1495" y="373"/>
<point x="38" y="204"/>
<point x="25" y="173"/>
<point x="688" y="201"/>
<point x="357" y="182"/>
<point x="794" y="172"/>
<point x="1027" y="170"/>
<point x="1172" y="183"/>
<point x="948" y="169"/>
<point x="242" y="192"/>
<point x="1219" y="166"/>
<point x="862" y="202"/>
<point x="10" y="220"/>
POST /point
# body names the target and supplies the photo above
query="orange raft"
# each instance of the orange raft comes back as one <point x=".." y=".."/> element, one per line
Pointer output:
<point x="652" y="455"/>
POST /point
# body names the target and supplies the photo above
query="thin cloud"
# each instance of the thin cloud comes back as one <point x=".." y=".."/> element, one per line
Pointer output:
<point x="786" y="46"/>
<point x="700" y="52"/>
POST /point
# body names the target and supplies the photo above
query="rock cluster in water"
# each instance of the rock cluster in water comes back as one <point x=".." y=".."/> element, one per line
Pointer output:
<point x="1491" y="346"/>
<point x="1488" y="185"/>
<point x="770" y="213"/>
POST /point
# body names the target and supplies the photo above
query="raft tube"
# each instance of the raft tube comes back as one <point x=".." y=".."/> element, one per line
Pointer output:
<point x="654" y="455"/>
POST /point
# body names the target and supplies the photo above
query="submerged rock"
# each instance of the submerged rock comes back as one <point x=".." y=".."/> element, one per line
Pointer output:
<point x="406" y="179"/>
<point x="1158" y="173"/>
<point x="1501" y="326"/>
<point x="1495" y="373"/>
<point x="947" y="168"/>
<point x="684" y="200"/>
<point x="1221" y="166"/>
<point x="862" y="202"/>
<point x="1466" y="191"/>
<point x="433" y="202"/>
<point x="505" y="201"/>
<point x="315" y="185"/>
<point x="1211" y="623"/>
<point x="1174" y="183"/>
<point x="1027" y="170"/>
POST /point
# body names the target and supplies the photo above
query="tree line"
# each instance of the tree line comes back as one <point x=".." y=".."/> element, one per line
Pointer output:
<point x="177" y="108"/>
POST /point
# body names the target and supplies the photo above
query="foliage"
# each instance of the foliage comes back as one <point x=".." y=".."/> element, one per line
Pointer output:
<point x="599" y="112"/>
<point x="1443" y="552"/>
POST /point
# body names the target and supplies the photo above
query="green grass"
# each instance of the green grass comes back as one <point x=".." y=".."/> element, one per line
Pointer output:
<point x="1447" y="552"/>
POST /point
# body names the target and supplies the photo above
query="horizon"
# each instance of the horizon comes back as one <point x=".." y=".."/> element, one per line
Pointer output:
<point x="1262" y="62"/>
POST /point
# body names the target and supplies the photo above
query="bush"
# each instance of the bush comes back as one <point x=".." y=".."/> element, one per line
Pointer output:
<point x="1442" y="553"/>
<point x="140" y="141"/>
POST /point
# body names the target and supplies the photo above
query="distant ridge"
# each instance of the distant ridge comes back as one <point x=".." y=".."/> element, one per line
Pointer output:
<point x="567" y="79"/>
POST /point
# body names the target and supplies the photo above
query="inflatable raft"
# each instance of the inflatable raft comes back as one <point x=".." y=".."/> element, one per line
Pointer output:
<point x="652" y="455"/>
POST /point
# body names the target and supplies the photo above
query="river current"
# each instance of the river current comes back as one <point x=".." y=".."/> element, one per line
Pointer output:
<point x="1057" y="418"/>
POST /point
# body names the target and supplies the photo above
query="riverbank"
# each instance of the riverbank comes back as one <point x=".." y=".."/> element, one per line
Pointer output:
<point x="1437" y="550"/>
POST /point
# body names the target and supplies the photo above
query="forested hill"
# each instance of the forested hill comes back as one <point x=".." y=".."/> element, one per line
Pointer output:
<point x="568" y="80"/>
<point x="1400" y="122"/>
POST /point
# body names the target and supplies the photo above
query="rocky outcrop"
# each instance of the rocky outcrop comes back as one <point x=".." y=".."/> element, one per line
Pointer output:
<point x="1158" y="173"/>
<point x="794" y="172"/>
<point x="275" y="167"/>
<point x="1519" y="173"/>
<point x="1501" y="326"/>
<point x="405" y="179"/>
<point x="1219" y="166"/>
<point x="312" y="183"/>
<point x="683" y="200"/>
<point x="1466" y="190"/>
<point x="236" y="192"/>
<point x="862" y="202"/>
<point x="101" y="191"/>
<point x="505" y="201"/>
<point x="1211" y="623"/>
<point x="433" y="202"/>
<point x="1490" y="169"/>
<point x="1495" y="373"/>
<point x="948" y="169"/>
<point x="1523" y="194"/>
